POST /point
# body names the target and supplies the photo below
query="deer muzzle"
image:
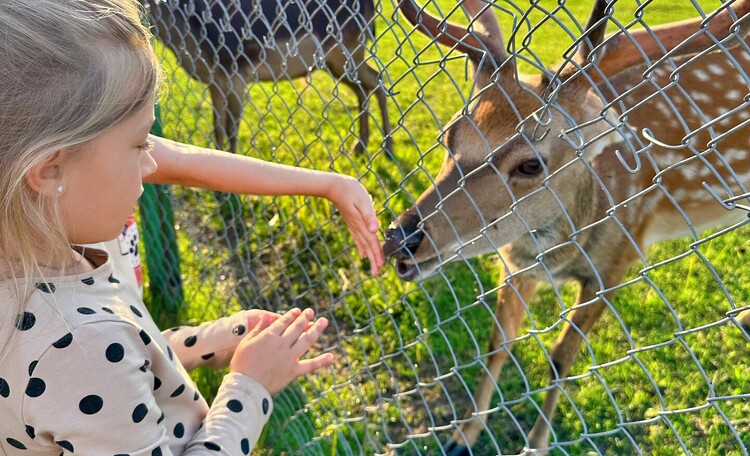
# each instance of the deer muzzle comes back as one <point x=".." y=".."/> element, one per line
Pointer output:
<point x="402" y="240"/>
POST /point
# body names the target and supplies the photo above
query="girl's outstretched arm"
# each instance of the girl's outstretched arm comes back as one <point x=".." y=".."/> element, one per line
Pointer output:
<point x="195" y="166"/>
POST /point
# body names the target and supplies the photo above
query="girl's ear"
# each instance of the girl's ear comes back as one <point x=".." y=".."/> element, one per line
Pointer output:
<point x="44" y="177"/>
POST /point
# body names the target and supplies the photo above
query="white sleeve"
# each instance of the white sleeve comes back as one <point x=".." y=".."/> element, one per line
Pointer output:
<point x="95" y="396"/>
<point x="210" y="344"/>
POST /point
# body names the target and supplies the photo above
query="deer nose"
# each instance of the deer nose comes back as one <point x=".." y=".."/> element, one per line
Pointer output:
<point x="402" y="239"/>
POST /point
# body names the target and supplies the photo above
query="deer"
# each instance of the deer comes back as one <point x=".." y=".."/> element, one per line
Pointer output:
<point x="571" y="174"/>
<point x="226" y="44"/>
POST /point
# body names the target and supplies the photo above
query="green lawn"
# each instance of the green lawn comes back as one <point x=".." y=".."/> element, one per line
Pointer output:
<point x="657" y="378"/>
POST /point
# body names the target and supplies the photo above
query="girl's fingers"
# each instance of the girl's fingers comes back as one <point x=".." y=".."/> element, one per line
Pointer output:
<point x="260" y="325"/>
<point x="279" y="326"/>
<point x="308" y="338"/>
<point x="297" y="327"/>
<point x="256" y="316"/>
<point x="306" y="366"/>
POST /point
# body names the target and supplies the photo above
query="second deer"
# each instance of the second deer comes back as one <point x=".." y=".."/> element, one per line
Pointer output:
<point x="569" y="187"/>
<point x="227" y="44"/>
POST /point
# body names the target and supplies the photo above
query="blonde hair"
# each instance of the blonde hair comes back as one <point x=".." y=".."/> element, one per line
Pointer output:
<point x="69" y="71"/>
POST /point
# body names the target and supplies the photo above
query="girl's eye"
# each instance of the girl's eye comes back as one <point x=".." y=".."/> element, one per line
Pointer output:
<point x="148" y="146"/>
<point x="530" y="168"/>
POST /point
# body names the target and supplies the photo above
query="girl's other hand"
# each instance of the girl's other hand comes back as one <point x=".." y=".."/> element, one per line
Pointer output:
<point x="357" y="210"/>
<point x="270" y="352"/>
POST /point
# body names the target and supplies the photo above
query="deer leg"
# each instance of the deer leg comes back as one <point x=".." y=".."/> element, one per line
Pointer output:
<point x="511" y="308"/>
<point x="360" y="145"/>
<point x="218" y="97"/>
<point x="235" y="110"/>
<point x="370" y="79"/>
<point x="744" y="319"/>
<point x="563" y="354"/>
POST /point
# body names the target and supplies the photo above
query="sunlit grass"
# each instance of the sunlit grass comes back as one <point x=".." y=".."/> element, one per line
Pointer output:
<point x="408" y="354"/>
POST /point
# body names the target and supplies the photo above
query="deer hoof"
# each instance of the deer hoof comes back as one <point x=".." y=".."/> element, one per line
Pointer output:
<point x="358" y="148"/>
<point x="744" y="318"/>
<point x="454" y="448"/>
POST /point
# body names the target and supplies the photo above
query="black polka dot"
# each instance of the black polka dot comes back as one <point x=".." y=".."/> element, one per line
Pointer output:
<point x="145" y="337"/>
<point x="238" y="330"/>
<point x="234" y="405"/>
<point x="169" y="353"/>
<point x="36" y="387"/>
<point x="88" y="281"/>
<point x="139" y="413"/>
<point x="176" y="328"/>
<point x="112" y="279"/>
<point x="65" y="444"/>
<point x="245" y="445"/>
<point x="190" y="341"/>
<point x="46" y="287"/>
<point x="207" y="356"/>
<point x="156" y="452"/>
<point x="196" y="396"/>
<point x="91" y="404"/>
<point x="4" y="388"/>
<point x="115" y="353"/>
<point x="265" y="406"/>
<point x="86" y="311"/>
<point x="157" y="383"/>
<point x="178" y="391"/>
<point x="108" y="310"/>
<point x="64" y="341"/>
<point x="32" y="366"/>
<point x="135" y="310"/>
<point x="15" y="443"/>
<point x="161" y="418"/>
<point x="145" y="365"/>
<point x="30" y="432"/>
<point x="25" y="321"/>
<point x="179" y="430"/>
<point x="212" y="446"/>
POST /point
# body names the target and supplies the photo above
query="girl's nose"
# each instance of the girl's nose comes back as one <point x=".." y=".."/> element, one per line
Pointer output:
<point x="148" y="164"/>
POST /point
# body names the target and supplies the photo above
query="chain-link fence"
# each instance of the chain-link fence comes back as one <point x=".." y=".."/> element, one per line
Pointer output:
<point x="566" y="178"/>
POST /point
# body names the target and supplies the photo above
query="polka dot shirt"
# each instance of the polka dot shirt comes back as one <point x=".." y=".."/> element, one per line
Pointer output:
<point x="89" y="373"/>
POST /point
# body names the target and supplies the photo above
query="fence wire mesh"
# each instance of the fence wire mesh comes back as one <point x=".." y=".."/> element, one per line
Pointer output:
<point x="351" y="86"/>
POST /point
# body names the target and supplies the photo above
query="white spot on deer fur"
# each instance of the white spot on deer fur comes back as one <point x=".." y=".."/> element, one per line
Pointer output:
<point x="733" y="95"/>
<point x="598" y="147"/>
<point x="679" y="194"/>
<point x="717" y="70"/>
<point x="669" y="158"/>
<point x="689" y="171"/>
<point x="734" y="154"/>
<point x="700" y="97"/>
<point x="702" y="75"/>
<point x="744" y="115"/>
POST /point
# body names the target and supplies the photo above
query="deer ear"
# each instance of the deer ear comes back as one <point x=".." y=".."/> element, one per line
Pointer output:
<point x="44" y="177"/>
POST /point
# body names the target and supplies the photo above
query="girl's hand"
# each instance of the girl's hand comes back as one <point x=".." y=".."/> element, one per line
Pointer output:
<point x="355" y="206"/>
<point x="258" y="316"/>
<point x="270" y="352"/>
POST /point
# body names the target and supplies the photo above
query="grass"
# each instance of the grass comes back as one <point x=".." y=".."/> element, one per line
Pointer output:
<point x="657" y="376"/>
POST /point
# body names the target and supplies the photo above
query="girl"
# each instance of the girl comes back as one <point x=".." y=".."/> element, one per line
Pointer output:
<point x="83" y="368"/>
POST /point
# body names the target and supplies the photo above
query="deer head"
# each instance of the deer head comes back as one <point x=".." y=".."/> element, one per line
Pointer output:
<point x="521" y="156"/>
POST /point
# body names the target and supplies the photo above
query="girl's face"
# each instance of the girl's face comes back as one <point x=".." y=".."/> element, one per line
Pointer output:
<point x="102" y="183"/>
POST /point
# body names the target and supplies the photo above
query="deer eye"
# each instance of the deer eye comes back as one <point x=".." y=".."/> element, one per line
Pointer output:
<point x="530" y="168"/>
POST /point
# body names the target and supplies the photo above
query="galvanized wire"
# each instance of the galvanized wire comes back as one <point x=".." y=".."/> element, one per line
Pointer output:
<point x="409" y="355"/>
